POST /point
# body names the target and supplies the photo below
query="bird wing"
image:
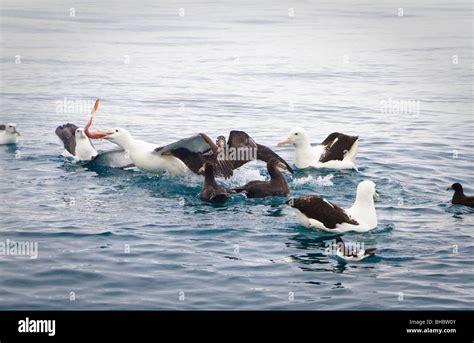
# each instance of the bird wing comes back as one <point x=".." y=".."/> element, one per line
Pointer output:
<point x="67" y="133"/>
<point x="243" y="146"/>
<point x="336" y="145"/>
<point x="194" y="151"/>
<point x="115" y="158"/>
<point x="240" y="139"/>
<point x="248" y="185"/>
<point x="317" y="208"/>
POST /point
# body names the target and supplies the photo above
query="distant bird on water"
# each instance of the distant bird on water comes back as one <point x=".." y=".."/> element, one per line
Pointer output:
<point x="9" y="134"/>
<point x="459" y="198"/>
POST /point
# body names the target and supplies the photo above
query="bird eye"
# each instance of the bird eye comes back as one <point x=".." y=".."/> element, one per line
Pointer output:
<point x="116" y="130"/>
<point x="296" y="134"/>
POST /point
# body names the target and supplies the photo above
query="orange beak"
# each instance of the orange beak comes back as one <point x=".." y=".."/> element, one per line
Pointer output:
<point x="285" y="142"/>
<point x="97" y="134"/>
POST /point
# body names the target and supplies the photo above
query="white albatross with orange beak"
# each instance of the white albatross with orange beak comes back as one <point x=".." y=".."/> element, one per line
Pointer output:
<point x="140" y="152"/>
<point x="337" y="151"/>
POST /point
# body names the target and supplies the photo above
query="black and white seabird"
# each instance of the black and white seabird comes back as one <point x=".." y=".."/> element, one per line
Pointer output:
<point x="211" y="190"/>
<point x="76" y="143"/>
<point x="9" y="134"/>
<point x="337" y="151"/>
<point x="351" y="253"/>
<point x="276" y="186"/>
<point x="314" y="211"/>
<point x="459" y="198"/>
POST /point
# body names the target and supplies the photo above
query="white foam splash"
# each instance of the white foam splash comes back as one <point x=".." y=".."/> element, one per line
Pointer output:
<point x="310" y="180"/>
<point x="242" y="176"/>
<point x="189" y="179"/>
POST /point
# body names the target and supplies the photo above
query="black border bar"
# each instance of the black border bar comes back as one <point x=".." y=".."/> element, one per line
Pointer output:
<point x="353" y="326"/>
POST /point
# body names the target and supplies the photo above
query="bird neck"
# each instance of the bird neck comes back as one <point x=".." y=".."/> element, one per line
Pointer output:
<point x="303" y="144"/>
<point x="209" y="177"/>
<point x="275" y="174"/>
<point x="364" y="208"/>
<point x="127" y="143"/>
<point x="458" y="194"/>
<point x="364" y="200"/>
<point x="303" y="150"/>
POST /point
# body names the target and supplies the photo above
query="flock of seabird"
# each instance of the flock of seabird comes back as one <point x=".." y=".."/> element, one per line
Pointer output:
<point x="201" y="155"/>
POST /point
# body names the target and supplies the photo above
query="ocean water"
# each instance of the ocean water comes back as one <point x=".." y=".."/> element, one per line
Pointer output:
<point x="123" y="239"/>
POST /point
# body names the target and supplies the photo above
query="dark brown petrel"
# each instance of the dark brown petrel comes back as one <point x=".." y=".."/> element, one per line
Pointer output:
<point x="211" y="190"/>
<point x="276" y="186"/>
<point x="459" y="198"/>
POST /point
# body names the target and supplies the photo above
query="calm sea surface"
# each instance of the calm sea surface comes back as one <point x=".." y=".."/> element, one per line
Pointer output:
<point x="129" y="240"/>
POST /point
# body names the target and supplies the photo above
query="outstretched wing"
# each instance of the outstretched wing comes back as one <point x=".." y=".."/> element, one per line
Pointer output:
<point x="250" y="150"/>
<point x="241" y="148"/>
<point x="67" y="133"/>
<point x="336" y="145"/>
<point x="315" y="207"/>
<point x="193" y="151"/>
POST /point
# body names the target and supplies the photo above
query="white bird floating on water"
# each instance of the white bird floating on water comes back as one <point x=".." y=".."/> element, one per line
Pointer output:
<point x="337" y="151"/>
<point x="316" y="212"/>
<point x="9" y="134"/>
<point x="143" y="154"/>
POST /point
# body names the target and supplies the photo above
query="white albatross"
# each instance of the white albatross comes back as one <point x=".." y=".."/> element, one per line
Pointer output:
<point x="337" y="151"/>
<point x="143" y="154"/>
<point x="313" y="211"/>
